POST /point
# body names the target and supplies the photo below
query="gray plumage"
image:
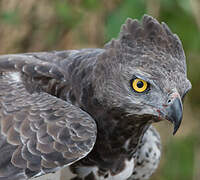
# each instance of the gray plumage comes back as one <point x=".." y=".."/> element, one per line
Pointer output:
<point x="78" y="108"/>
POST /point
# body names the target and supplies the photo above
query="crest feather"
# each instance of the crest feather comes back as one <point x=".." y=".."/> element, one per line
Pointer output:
<point x="150" y="33"/>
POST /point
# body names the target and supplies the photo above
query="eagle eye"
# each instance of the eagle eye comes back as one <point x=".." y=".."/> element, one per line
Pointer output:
<point x="139" y="85"/>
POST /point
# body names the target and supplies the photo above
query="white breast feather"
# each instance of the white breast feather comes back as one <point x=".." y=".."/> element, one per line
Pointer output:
<point x="148" y="156"/>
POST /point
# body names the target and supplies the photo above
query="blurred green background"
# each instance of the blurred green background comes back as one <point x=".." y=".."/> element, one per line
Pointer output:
<point x="30" y="25"/>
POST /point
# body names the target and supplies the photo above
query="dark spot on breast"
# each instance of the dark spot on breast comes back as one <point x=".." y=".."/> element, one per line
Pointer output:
<point x="90" y="176"/>
<point x="147" y="154"/>
<point x="144" y="175"/>
<point x="147" y="161"/>
<point x="150" y="150"/>
<point x="134" y="173"/>
<point x="106" y="176"/>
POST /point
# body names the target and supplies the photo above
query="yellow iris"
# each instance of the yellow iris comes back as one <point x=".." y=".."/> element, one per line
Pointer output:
<point x="139" y="85"/>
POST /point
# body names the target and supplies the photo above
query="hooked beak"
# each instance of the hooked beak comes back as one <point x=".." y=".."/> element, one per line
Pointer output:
<point x="175" y="113"/>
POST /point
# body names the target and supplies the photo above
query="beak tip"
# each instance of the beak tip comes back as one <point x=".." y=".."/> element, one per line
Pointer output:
<point x="175" y="130"/>
<point x="175" y="113"/>
<point x="177" y="125"/>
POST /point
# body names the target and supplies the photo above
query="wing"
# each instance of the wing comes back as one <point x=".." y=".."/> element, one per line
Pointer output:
<point x="39" y="132"/>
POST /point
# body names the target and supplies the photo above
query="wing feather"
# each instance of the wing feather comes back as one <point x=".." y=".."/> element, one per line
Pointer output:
<point x="41" y="132"/>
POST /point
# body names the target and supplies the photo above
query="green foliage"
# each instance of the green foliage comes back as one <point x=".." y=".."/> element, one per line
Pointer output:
<point x="67" y="14"/>
<point x="194" y="75"/>
<point x="127" y="8"/>
<point x="182" y="22"/>
<point x="67" y="17"/>
<point x="10" y="17"/>
<point x="180" y="159"/>
<point x="90" y="4"/>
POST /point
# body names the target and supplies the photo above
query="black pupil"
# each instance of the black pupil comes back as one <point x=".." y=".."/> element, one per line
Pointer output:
<point x="140" y="84"/>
